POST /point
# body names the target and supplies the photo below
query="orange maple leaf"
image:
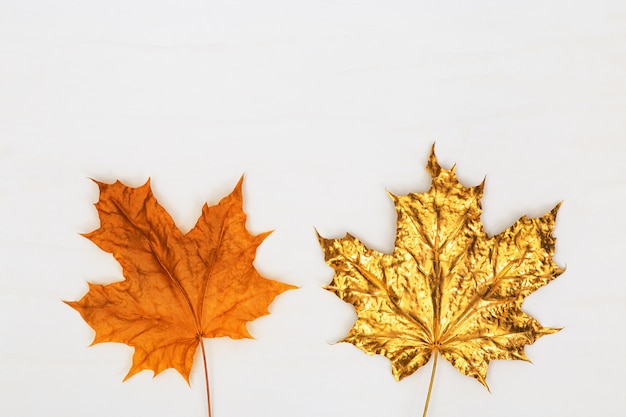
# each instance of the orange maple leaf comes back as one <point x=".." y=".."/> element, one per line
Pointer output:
<point x="179" y="288"/>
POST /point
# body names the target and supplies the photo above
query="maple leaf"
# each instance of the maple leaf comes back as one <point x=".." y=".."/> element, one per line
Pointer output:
<point x="447" y="288"/>
<point x="179" y="288"/>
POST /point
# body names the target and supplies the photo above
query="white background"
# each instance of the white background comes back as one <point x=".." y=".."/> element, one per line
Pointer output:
<point x="323" y="105"/>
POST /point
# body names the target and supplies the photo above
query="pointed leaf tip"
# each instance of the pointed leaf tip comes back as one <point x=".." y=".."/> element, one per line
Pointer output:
<point x="432" y="166"/>
<point x="240" y="182"/>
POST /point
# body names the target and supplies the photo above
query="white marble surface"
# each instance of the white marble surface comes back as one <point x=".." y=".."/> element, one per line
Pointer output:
<point x="323" y="105"/>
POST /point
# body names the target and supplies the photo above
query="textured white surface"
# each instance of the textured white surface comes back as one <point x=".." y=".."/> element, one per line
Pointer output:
<point x="323" y="105"/>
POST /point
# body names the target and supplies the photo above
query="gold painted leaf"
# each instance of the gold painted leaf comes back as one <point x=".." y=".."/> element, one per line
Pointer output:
<point x="448" y="288"/>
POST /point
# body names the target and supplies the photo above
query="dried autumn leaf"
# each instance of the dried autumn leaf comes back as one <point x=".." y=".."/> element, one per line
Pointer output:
<point x="447" y="288"/>
<point x="179" y="288"/>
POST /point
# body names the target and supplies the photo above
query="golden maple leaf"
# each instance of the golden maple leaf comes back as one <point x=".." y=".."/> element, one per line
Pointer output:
<point x="447" y="288"/>
<point x="179" y="288"/>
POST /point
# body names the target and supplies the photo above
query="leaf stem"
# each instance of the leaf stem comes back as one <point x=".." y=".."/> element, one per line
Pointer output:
<point x="206" y="377"/>
<point x="430" y="386"/>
